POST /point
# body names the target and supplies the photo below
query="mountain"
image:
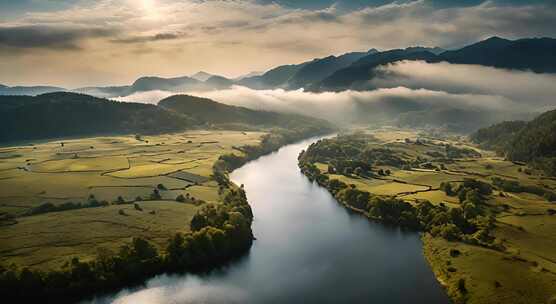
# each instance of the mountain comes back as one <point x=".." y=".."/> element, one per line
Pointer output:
<point x="143" y="84"/>
<point x="319" y="69"/>
<point x="166" y="84"/>
<point x="276" y="77"/>
<point x="361" y="71"/>
<point x="105" y="92"/>
<point x="535" y="54"/>
<point x="248" y="75"/>
<point x="201" y="76"/>
<point x="434" y="50"/>
<point x="28" y="90"/>
<point x="533" y="142"/>
<point x="212" y="112"/>
<point x="218" y="82"/>
<point x="295" y="76"/>
<point x="70" y="114"/>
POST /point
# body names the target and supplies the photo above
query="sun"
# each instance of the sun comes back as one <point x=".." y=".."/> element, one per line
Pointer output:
<point x="148" y="5"/>
<point x="149" y="8"/>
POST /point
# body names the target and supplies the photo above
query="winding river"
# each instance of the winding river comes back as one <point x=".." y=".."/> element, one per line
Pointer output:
<point x="309" y="249"/>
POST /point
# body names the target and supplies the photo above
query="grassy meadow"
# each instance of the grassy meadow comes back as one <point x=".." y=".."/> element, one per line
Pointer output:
<point x="133" y="183"/>
<point x="523" y="268"/>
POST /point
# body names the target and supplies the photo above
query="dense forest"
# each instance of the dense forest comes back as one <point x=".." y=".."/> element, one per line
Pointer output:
<point x="69" y="114"/>
<point x="533" y="142"/>
<point x="211" y="112"/>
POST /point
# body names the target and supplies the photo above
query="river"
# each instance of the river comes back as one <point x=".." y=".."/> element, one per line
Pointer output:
<point x="309" y="249"/>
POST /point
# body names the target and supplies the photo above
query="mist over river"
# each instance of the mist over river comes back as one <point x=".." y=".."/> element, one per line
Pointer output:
<point x="309" y="249"/>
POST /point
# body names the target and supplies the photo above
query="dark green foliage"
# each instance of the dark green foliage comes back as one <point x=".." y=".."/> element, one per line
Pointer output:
<point x="461" y="285"/>
<point x="447" y="188"/>
<point x="533" y="142"/>
<point x="155" y="195"/>
<point x="180" y="198"/>
<point x="211" y="112"/>
<point x="120" y="200"/>
<point x="68" y="114"/>
<point x="498" y="136"/>
<point x="455" y="224"/>
<point x="455" y="152"/>
<point x="516" y="187"/>
<point x="49" y="207"/>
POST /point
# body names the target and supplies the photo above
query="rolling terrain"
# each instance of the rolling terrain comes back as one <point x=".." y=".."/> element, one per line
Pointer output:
<point x="487" y="222"/>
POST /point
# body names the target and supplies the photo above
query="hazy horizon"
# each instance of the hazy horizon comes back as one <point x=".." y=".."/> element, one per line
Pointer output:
<point x="75" y="43"/>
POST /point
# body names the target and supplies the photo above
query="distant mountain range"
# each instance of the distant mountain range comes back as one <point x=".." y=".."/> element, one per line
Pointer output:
<point x="337" y="73"/>
<point x="32" y="90"/>
<point x="201" y="76"/>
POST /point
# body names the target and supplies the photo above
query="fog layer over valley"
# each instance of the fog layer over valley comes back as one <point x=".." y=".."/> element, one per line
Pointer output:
<point x="410" y="93"/>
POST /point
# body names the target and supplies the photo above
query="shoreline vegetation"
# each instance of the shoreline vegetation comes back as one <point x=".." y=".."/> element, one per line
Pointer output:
<point x="219" y="233"/>
<point x="457" y="213"/>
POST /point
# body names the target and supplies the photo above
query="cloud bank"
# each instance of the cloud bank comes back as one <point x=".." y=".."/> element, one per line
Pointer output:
<point x="403" y="87"/>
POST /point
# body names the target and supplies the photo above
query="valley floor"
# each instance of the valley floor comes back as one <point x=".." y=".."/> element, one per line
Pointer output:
<point x="516" y="263"/>
<point x="78" y="197"/>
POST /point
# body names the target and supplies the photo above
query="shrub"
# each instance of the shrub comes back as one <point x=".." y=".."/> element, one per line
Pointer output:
<point x="155" y="195"/>
<point x="180" y="198"/>
<point x="120" y="200"/>
<point x="461" y="285"/>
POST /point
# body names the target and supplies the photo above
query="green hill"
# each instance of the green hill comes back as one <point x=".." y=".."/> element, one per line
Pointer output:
<point x="533" y="142"/>
<point x="212" y="112"/>
<point x="70" y="114"/>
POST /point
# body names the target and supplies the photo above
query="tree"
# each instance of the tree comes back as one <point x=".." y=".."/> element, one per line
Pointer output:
<point x="180" y="198"/>
<point x="120" y="200"/>
<point x="155" y="195"/>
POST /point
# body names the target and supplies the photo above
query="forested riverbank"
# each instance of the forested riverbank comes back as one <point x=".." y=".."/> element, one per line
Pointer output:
<point x="467" y="217"/>
<point x="218" y="234"/>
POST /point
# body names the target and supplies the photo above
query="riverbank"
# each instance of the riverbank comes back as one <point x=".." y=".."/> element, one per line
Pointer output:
<point x="468" y="225"/>
<point x="219" y="232"/>
<point x="307" y="245"/>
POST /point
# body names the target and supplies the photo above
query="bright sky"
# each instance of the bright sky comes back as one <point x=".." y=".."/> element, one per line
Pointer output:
<point x="75" y="43"/>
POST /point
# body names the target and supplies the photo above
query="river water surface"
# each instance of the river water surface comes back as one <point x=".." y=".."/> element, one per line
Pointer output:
<point x="309" y="249"/>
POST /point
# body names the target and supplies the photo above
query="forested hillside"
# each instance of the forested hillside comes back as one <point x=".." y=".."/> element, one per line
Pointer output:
<point x="212" y="112"/>
<point x="533" y="142"/>
<point x="69" y="114"/>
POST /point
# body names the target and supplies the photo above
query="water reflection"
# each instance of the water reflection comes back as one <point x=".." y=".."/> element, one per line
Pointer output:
<point x="308" y="250"/>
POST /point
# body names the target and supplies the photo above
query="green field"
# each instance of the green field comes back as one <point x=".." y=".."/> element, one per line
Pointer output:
<point x="521" y="268"/>
<point x="104" y="169"/>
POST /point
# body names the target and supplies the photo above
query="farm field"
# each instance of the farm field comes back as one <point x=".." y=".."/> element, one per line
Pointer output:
<point x="521" y="267"/>
<point x="131" y="183"/>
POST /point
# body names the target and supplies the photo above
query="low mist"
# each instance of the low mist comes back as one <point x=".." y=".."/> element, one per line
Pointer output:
<point x="418" y="89"/>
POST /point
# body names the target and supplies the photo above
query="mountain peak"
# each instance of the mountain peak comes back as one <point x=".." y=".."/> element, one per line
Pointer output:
<point x="202" y="76"/>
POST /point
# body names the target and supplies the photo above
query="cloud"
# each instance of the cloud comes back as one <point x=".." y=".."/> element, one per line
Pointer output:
<point x="524" y="89"/>
<point x="53" y="37"/>
<point x="490" y="94"/>
<point x="143" y="39"/>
